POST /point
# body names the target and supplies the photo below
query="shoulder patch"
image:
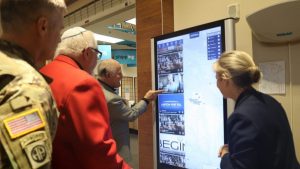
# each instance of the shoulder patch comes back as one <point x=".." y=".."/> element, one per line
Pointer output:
<point x="24" y="123"/>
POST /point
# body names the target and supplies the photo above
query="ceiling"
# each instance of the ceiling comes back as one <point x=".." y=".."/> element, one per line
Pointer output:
<point x="104" y="17"/>
<point x="69" y="2"/>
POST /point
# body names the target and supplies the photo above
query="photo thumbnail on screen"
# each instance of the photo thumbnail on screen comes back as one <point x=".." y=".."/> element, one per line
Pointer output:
<point x="171" y="83"/>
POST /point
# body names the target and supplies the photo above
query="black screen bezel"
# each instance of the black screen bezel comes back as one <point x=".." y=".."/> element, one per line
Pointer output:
<point x="218" y="23"/>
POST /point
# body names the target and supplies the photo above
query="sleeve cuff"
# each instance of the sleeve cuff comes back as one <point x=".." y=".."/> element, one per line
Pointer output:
<point x="146" y="100"/>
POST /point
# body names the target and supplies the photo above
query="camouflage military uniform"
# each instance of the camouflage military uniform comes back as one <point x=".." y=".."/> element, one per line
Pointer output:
<point x="28" y="114"/>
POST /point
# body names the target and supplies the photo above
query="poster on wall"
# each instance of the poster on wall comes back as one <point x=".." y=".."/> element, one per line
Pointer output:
<point x="273" y="80"/>
<point x="125" y="56"/>
<point x="191" y="112"/>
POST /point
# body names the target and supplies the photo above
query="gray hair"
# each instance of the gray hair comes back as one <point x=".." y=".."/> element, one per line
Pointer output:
<point x="238" y="66"/>
<point x="74" y="41"/>
<point x="108" y="66"/>
<point x="17" y="14"/>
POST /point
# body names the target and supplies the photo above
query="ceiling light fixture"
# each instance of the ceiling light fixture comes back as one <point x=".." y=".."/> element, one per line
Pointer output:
<point x="108" y="39"/>
<point x="131" y="21"/>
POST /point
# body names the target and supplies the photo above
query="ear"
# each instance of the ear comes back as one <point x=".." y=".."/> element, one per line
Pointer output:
<point x="85" y="54"/>
<point x="228" y="82"/>
<point x="42" y="26"/>
<point x="107" y="75"/>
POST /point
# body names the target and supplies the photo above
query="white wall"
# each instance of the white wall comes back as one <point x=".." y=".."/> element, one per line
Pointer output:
<point x="129" y="71"/>
<point x="189" y="13"/>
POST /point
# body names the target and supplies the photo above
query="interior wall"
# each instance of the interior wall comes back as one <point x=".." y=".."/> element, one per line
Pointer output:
<point x="289" y="53"/>
<point x="189" y="13"/>
<point x="129" y="71"/>
<point x="154" y="18"/>
<point x="295" y="99"/>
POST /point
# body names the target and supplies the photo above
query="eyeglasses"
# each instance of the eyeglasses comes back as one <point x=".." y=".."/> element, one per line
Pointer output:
<point x="99" y="54"/>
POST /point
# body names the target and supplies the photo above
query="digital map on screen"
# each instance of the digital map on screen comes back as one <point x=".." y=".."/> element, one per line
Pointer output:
<point x="191" y="125"/>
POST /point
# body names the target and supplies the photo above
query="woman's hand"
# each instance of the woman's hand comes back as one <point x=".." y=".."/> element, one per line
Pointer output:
<point x="223" y="150"/>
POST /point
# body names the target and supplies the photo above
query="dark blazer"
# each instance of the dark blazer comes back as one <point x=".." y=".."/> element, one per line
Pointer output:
<point x="120" y="115"/>
<point x="259" y="135"/>
<point x="83" y="139"/>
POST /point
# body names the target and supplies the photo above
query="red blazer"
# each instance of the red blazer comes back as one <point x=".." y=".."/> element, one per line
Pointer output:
<point x="83" y="139"/>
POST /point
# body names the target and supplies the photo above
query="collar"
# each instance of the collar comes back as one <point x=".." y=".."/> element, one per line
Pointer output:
<point x="68" y="60"/>
<point x="245" y="94"/>
<point x="48" y="79"/>
<point x="107" y="86"/>
<point x="15" y="51"/>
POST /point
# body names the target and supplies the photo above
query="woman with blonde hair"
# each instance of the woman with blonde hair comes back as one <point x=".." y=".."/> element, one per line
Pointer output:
<point x="258" y="131"/>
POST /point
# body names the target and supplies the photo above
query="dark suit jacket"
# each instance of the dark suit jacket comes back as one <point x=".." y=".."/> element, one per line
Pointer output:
<point x="120" y="115"/>
<point x="259" y="135"/>
<point x="83" y="139"/>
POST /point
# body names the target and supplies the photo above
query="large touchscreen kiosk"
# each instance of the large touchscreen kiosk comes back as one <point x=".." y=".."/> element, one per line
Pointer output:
<point x="190" y="111"/>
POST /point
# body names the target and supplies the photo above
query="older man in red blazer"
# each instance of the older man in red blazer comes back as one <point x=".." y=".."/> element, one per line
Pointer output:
<point x="84" y="139"/>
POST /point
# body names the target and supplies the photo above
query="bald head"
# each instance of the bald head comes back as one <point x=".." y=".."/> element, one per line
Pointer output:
<point x="109" y="66"/>
<point x="110" y="72"/>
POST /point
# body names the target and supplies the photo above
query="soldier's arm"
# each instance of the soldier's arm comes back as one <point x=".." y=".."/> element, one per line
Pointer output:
<point x="28" y="121"/>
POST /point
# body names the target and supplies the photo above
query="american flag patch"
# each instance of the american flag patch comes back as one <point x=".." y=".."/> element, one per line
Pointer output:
<point x="24" y="122"/>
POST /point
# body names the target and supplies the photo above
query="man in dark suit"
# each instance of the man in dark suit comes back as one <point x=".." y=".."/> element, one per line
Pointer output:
<point x="110" y="75"/>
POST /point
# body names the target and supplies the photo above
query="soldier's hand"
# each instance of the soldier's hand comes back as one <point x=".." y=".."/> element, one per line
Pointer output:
<point x="152" y="94"/>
